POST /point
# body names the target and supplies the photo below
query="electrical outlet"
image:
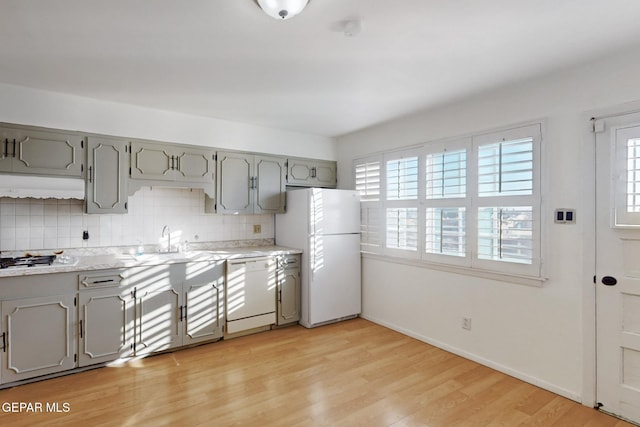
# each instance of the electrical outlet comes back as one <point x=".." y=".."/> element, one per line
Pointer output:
<point x="466" y="323"/>
<point x="257" y="229"/>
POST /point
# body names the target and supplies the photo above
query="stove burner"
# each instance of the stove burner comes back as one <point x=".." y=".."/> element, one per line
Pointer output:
<point x="27" y="261"/>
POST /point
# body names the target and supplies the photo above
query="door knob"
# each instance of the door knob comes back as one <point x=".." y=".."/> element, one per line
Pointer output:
<point x="609" y="281"/>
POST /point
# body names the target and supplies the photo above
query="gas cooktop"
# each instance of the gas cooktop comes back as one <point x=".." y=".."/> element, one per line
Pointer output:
<point x="27" y="261"/>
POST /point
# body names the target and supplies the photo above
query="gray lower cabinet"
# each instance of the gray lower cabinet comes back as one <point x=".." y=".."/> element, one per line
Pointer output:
<point x="38" y="336"/>
<point x="157" y="322"/>
<point x="107" y="175"/>
<point x="105" y="317"/>
<point x="171" y="162"/>
<point x="105" y="325"/>
<point x="288" y="289"/>
<point x="249" y="183"/>
<point x="202" y="311"/>
<point x="311" y="173"/>
<point x="40" y="151"/>
<point x="177" y="305"/>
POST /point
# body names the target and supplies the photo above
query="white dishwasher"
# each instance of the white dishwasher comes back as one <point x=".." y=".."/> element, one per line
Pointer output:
<point x="251" y="293"/>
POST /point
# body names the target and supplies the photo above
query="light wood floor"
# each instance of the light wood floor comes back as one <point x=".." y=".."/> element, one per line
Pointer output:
<point x="354" y="373"/>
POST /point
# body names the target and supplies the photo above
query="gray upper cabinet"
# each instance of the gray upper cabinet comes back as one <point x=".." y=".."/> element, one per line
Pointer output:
<point x="249" y="183"/>
<point x="171" y="162"/>
<point x="311" y="173"/>
<point x="40" y="151"/>
<point x="107" y="171"/>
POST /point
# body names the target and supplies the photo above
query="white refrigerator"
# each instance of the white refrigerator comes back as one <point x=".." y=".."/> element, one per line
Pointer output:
<point x="325" y="224"/>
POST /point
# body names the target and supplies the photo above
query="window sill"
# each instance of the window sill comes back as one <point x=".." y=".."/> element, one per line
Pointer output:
<point x="468" y="271"/>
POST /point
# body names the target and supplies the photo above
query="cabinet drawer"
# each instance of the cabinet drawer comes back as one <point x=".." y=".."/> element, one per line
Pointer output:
<point x="102" y="279"/>
<point x="289" y="262"/>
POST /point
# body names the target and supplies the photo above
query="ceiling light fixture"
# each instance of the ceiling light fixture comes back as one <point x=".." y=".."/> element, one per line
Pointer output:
<point x="282" y="9"/>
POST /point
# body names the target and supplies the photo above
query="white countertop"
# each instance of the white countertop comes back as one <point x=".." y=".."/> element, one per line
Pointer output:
<point x="125" y="260"/>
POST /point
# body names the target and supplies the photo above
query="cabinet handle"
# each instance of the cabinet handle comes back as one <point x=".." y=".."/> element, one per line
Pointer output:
<point x="14" y="147"/>
<point x="181" y="313"/>
<point x="178" y="162"/>
<point x="103" y="281"/>
<point x="4" y="342"/>
<point x="90" y="173"/>
<point x="280" y="296"/>
<point x="185" y="313"/>
<point x="81" y="334"/>
<point x="313" y="172"/>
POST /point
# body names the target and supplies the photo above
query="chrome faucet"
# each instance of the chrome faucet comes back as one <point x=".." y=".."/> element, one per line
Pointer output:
<point x="166" y="231"/>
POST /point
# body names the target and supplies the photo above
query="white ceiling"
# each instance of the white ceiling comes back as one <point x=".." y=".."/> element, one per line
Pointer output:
<point x="228" y="60"/>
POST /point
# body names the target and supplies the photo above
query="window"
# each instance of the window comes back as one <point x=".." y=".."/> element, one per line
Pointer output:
<point x="471" y="202"/>
<point x="445" y="231"/>
<point x="507" y="205"/>
<point x="633" y="175"/>
<point x="368" y="179"/>
<point x="506" y="234"/>
<point x="402" y="228"/>
<point x="627" y="172"/>
<point x="446" y="174"/>
<point x="505" y="168"/>
<point x="402" y="179"/>
<point x="445" y="202"/>
<point x="401" y="203"/>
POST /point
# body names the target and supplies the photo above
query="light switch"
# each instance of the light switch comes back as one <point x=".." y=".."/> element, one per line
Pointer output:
<point x="565" y="216"/>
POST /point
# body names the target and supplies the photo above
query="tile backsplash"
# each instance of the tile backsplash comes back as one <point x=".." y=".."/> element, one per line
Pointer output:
<point x="33" y="224"/>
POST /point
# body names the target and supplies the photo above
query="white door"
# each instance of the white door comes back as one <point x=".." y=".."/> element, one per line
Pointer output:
<point x="618" y="265"/>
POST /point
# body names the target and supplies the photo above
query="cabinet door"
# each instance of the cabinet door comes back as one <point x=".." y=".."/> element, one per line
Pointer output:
<point x="271" y="175"/>
<point x="107" y="164"/>
<point x="39" y="336"/>
<point x="152" y="161"/>
<point x="311" y="173"/>
<point x="42" y="152"/>
<point x="194" y="165"/>
<point x="299" y="173"/>
<point x="202" y="311"/>
<point x="157" y="314"/>
<point x="235" y="183"/>
<point x="288" y="296"/>
<point x="325" y="174"/>
<point x="106" y="325"/>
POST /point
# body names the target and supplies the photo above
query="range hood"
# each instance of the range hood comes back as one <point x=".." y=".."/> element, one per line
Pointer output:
<point x="40" y="187"/>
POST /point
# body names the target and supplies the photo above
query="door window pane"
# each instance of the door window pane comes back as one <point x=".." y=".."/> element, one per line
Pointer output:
<point x="633" y="175"/>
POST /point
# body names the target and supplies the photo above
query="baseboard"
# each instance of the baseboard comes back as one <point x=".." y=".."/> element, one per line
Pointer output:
<point x="486" y="362"/>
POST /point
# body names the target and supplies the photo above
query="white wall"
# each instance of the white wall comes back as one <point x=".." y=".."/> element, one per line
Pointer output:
<point x="538" y="334"/>
<point x="42" y="108"/>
